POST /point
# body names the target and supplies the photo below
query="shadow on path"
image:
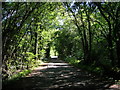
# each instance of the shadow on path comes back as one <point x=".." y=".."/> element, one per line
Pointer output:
<point x="58" y="75"/>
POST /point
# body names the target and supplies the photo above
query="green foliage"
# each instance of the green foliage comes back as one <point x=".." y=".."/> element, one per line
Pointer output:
<point x="78" y="63"/>
<point x="85" y="33"/>
<point x="17" y="76"/>
<point x="116" y="69"/>
<point x="72" y="60"/>
<point x="20" y="74"/>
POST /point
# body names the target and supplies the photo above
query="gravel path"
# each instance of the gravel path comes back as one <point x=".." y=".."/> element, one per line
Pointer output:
<point x="58" y="75"/>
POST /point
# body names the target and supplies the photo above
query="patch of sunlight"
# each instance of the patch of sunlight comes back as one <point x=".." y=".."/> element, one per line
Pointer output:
<point x="61" y="22"/>
<point x="80" y="83"/>
<point x="40" y="68"/>
<point x="115" y="86"/>
<point x="57" y="64"/>
<point x="51" y="65"/>
<point x="54" y="56"/>
<point x="77" y="61"/>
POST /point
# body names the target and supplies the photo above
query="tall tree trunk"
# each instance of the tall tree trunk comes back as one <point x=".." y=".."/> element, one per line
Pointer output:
<point x="36" y="45"/>
<point x="110" y="44"/>
<point x="117" y="40"/>
<point x="118" y="51"/>
<point x="86" y="51"/>
<point x="48" y="51"/>
<point x="109" y="39"/>
<point x="90" y="39"/>
<point x="40" y="42"/>
<point x="116" y="34"/>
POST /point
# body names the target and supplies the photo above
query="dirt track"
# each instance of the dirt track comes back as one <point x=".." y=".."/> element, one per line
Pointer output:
<point x="58" y="75"/>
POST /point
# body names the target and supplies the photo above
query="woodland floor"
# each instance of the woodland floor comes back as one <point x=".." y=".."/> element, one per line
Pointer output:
<point x="58" y="75"/>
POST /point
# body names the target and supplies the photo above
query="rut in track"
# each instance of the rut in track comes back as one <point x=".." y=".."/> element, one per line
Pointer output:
<point x="58" y="75"/>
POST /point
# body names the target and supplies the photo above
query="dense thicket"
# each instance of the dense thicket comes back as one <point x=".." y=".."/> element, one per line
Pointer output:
<point x="86" y="32"/>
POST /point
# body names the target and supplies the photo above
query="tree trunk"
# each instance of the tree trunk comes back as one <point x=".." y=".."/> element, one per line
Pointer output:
<point x="109" y="39"/>
<point x="110" y="44"/>
<point x="118" y="51"/>
<point x="48" y="51"/>
<point x="86" y="51"/>
<point x="90" y="39"/>
<point x="36" y="45"/>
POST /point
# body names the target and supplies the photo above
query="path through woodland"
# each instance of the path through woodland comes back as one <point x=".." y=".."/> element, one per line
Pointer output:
<point x="58" y="75"/>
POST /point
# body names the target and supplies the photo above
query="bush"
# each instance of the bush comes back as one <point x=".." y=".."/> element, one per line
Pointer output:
<point x="72" y="60"/>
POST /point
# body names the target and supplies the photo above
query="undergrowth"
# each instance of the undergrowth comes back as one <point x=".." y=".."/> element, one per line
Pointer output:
<point x="21" y="73"/>
<point x="96" y="70"/>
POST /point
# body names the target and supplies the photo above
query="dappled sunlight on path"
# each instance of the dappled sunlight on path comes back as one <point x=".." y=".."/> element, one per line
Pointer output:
<point x="58" y="75"/>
